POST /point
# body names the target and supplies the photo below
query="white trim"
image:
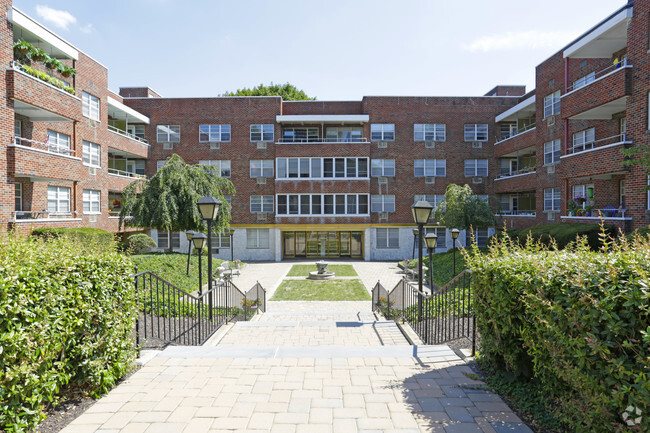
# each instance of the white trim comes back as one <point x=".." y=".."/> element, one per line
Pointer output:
<point x="623" y="15"/>
<point x="596" y="218"/>
<point x="595" y="148"/>
<point x="516" y="175"/>
<point x="513" y="110"/>
<point x="128" y="110"/>
<point x="47" y="152"/>
<point x="323" y="118"/>
<point x="20" y="19"/>
<point x="322" y="205"/>
<point x="516" y="135"/>
<point x="45" y="220"/>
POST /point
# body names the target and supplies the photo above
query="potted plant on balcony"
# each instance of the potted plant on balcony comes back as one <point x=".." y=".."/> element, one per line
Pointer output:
<point x="38" y="55"/>
<point x="51" y="63"/>
<point x="573" y="207"/>
<point x="22" y="47"/>
<point x="65" y="70"/>
<point x="588" y="209"/>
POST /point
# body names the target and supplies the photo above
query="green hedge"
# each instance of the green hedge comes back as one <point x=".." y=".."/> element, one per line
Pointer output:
<point x="576" y="320"/>
<point x="67" y="314"/>
<point x="561" y="233"/>
<point x="87" y="235"/>
<point x="172" y="267"/>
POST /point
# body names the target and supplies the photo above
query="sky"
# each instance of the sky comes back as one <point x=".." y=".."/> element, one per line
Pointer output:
<point x="333" y="50"/>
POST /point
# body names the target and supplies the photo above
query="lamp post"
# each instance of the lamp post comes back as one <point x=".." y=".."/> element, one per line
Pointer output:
<point x="454" y="236"/>
<point x="199" y="240"/>
<point x="209" y="210"/>
<point x="232" y="233"/>
<point x="190" y="234"/>
<point x="431" y="239"/>
<point x="421" y="213"/>
<point x="415" y="236"/>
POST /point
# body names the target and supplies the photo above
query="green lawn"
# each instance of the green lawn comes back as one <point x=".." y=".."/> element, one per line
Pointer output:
<point x="443" y="266"/>
<point x="339" y="270"/>
<point x="331" y="290"/>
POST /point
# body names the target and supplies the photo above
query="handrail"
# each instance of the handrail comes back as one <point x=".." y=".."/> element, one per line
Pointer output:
<point x="127" y="134"/>
<point x="520" y="212"/>
<point x="614" y="139"/>
<point x="599" y="74"/>
<point x="519" y="131"/>
<point x="322" y="140"/>
<point x="524" y="170"/>
<point x="125" y="173"/>
<point x="50" y="147"/>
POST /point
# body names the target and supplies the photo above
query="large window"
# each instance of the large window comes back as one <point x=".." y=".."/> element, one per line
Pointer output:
<point x="552" y="199"/>
<point x="321" y="168"/>
<point x="300" y="135"/>
<point x="382" y="132"/>
<point x="551" y="152"/>
<point x="476" y="132"/>
<point x="221" y="240"/>
<point x="322" y="204"/>
<point x="163" y="239"/>
<point x="90" y="105"/>
<point x="434" y="200"/>
<point x="91" y="201"/>
<point x="18" y="196"/>
<point x="476" y="167"/>
<point x="214" y="133"/>
<point x="91" y="154"/>
<point x="584" y="140"/>
<point x="387" y="238"/>
<point x="382" y="203"/>
<point x="58" y="142"/>
<point x="383" y="168"/>
<point x="552" y="104"/>
<point x="223" y="166"/>
<point x="257" y="238"/>
<point x="261" y="167"/>
<point x="168" y="133"/>
<point x="58" y="199"/>
<point x="346" y="134"/>
<point x="430" y="167"/>
<point x="261" y="203"/>
<point x="261" y="132"/>
<point x="429" y="132"/>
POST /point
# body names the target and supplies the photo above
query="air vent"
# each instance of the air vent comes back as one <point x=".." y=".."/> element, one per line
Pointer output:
<point x="92" y="171"/>
<point x="430" y="180"/>
<point x="168" y="146"/>
<point x="477" y="145"/>
<point x="430" y="144"/>
<point x="477" y="180"/>
<point x="550" y="121"/>
<point x="261" y="144"/>
<point x="261" y="181"/>
<point x="261" y="216"/>
<point x="215" y="146"/>
<point x="383" y="181"/>
<point x="550" y="169"/>
<point x="382" y="144"/>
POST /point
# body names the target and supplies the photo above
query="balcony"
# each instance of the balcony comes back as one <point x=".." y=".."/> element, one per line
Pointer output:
<point x="43" y="216"/>
<point x="42" y="161"/>
<point x="517" y="213"/>
<point x="607" y="37"/>
<point x="128" y="135"/>
<point x="601" y="144"/>
<point x="128" y="174"/>
<point x="321" y="140"/>
<point x="513" y="173"/>
<point x="516" y="133"/>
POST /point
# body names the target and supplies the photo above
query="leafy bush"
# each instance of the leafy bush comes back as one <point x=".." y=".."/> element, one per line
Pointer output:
<point x="89" y="236"/>
<point x="576" y="320"/>
<point x="141" y="243"/>
<point x="172" y="267"/>
<point x="67" y="314"/>
<point x="561" y="233"/>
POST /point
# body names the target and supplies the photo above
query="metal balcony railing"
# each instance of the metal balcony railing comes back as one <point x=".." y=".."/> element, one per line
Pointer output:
<point x="42" y="215"/>
<point x="582" y="147"/>
<point x="126" y="173"/>
<point x="50" y="147"/>
<point x="524" y="170"/>
<point x="595" y="76"/>
<point x="516" y="133"/>
<point x="127" y="135"/>
<point x="284" y="140"/>
<point x="507" y="212"/>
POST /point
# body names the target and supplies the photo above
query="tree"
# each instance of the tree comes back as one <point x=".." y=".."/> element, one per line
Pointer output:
<point x="462" y="209"/>
<point x="167" y="201"/>
<point x="289" y="92"/>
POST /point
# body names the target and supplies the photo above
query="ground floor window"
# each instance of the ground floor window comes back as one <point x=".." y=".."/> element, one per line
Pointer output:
<point x="19" y="196"/>
<point x="322" y="244"/>
<point x="163" y="239"/>
<point x="58" y="199"/>
<point x="552" y="199"/>
<point x="257" y="238"/>
<point x="91" y="201"/>
<point x="387" y="238"/>
<point x="480" y="237"/>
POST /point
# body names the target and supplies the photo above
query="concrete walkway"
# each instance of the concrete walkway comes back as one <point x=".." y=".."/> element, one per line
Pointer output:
<point x="304" y="367"/>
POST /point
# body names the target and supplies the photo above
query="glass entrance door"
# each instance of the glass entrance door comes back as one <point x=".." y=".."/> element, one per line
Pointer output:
<point x="323" y="244"/>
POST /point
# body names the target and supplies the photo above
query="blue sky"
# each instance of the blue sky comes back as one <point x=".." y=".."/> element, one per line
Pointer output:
<point x="334" y="50"/>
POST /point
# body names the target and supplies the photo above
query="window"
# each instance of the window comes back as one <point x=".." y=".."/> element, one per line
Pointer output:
<point x="58" y="199"/>
<point x="159" y="164"/>
<point x="261" y="203"/>
<point x="353" y="134"/>
<point x="476" y="167"/>
<point x="552" y="199"/>
<point x="223" y="166"/>
<point x="441" y="232"/>
<point x="90" y="106"/>
<point x="507" y="130"/>
<point x="583" y="192"/>
<point x="163" y="239"/>
<point x="221" y="240"/>
<point x="551" y="152"/>
<point x="387" y="238"/>
<point x="136" y="130"/>
<point x="552" y="104"/>
<point x="261" y="168"/>
<point x="18" y="128"/>
<point x="480" y="237"/>
<point x="261" y="132"/>
<point x="91" y="201"/>
<point x="91" y="154"/>
<point x="584" y="140"/>
<point x="430" y="167"/>
<point x="382" y="132"/>
<point x="319" y="168"/>
<point x="57" y="142"/>
<point x="382" y="203"/>
<point x="476" y="132"/>
<point x="434" y="200"/>
<point x="168" y="133"/>
<point x="257" y="238"/>
<point x="583" y="81"/>
<point x="322" y="204"/>
<point x="214" y="133"/>
<point x="300" y="135"/>
<point x="429" y="132"/>
<point x="19" y="196"/>
<point x="383" y="167"/>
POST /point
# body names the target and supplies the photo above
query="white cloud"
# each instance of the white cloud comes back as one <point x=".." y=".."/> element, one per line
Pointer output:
<point x="88" y="28"/>
<point x="58" y="18"/>
<point x="531" y="39"/>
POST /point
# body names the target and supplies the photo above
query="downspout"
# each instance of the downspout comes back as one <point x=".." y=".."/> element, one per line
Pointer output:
<point x="566" y="121"/>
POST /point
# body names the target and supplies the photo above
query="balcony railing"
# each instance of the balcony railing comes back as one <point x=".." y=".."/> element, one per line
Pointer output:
<point x="588" y="79"/>
<point x="43" y="76"/>
<point x="50" y="147"/>
<point x="521" y="171"/>
<point x="597" y="214"/>
<point x="323" y="140"/>
<point x="42" y="215"/>
<point x="127" y="134"/>
<point x="583" y="147"/>
<point x="517" y="132"/>
<point x="126" y="173"/>
<point x="506" y="212"/>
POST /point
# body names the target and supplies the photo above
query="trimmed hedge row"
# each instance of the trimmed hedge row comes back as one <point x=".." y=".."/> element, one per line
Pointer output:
<point x="576" y="320"/>
<point x="561" y="234"/>
<point x="86" y="235"/>
<point x="67" y="314"/>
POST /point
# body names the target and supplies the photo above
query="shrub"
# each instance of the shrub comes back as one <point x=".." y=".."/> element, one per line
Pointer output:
<point x="89" y="236"/>
<point x="561" y="233"/>
<point x="575" y="320"/>
<point x="67" y="314"/>
<point x="172" y="267"/>
<point x="141" y="243"/>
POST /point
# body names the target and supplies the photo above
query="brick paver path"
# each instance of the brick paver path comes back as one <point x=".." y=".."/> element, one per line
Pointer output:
<point x="303" y="367"/>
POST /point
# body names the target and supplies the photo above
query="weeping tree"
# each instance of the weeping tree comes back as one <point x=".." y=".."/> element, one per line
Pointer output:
<point x="167" y="201"/>
<point x="462" y="209"/>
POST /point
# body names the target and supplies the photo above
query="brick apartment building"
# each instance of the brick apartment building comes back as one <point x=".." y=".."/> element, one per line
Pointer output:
<point x="331" y="179"/>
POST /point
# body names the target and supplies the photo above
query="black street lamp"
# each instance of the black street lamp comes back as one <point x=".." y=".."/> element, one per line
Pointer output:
<point x="431" y="239"/>
<point x="415" y="236"/>
<point x="190" y="234"/>
<point x="232" y="233"/>
<point x="209" y="210"/>
<point x="454" y="236"/>
<point x="199" y="240"/>
<point x="421" y="213"/>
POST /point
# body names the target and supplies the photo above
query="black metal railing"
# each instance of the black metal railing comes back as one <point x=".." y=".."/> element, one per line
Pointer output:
<point x="169" y="315"/>
<point x="442" y="316"/>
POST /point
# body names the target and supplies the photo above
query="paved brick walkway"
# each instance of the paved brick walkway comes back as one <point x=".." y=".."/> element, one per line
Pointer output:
<point x="304" y="367"/>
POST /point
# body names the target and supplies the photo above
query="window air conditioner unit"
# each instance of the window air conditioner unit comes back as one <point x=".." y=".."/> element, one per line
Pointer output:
<point x="430" y="144"/>
<point x="93" y="123"/>
<point x="477" y="180"/>
<point x="261" y="181"/>
<point x="550" y="169"/>
<point x="168" y="146"/>
<point x="382" y="144"/>
<point x="477" y="145"/>
<point x="551" y="216"/>
<point x="550" y="121"/>
<point x="383" y="216"/>
<point x="92" y="171"/>
<point x="261" y="144"/>
<point x="92" y="218"/>
<point x="261" y="216"/>
<point x="383" y="181"/>
<point x="430" y="180"/>
<point x="215" y="146"/>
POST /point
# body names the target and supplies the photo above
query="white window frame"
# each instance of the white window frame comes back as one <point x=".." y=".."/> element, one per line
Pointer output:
<point x="258" y="239"/>
<point x="306" y="135"/>
<point x="344" y="134"/>
<point x="476" y="132"/>
<point x="434" y="200"/>
<point x="159" y="164"/>
<point x="164" y="234"/>
<point x="382" y="168"/>
<point x="430" y="167"/>
<point x="552" y="150"/>
<point x="91" y="154"/>
<point x="582" y="191"/>
<point x="168" y="133"/>
<point x="261" y="204"/>
<point x="92" y="202"/>
<point x="58" y="142"/>
<point x="584" y="140"/>
<point x="382" y="203"/>
<point x="261" y="132"/>
<point x="18" y="196"/>
<point x="387" y="238"/>
<point x="314" y="168"/>
<point x="429" y="132"/>
<point x="90" y="106"/>
<point x="382" y="132"/>
<point x="60" y="197"/>
<point x="481" y="237"/>
<point x="220" y="240"/>
<point x="223" y="165"/>
<point x="261" y="168"/>
<point x="552" y="198"/>
<point x="214" y="133"/>
<point x="552" y="104"/>
<point x="18" y="128"/>
<point x="476" y="168"/>
<point x="352" y="204"/>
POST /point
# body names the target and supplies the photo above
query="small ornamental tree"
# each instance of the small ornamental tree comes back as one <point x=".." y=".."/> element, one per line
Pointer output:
<point x="462" y="209"/>
<point x="167" y="201"/>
